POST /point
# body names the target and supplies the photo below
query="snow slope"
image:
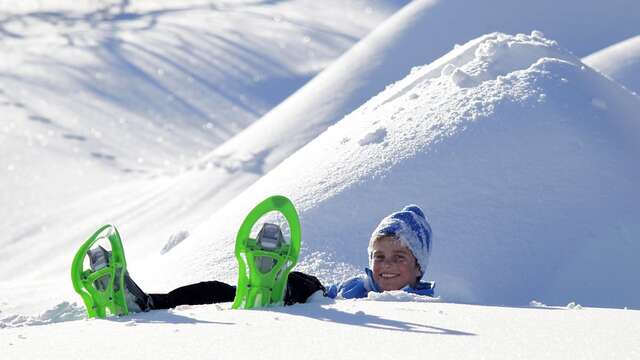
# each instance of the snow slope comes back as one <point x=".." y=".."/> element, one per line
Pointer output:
<point x="107" y="102"/>
<point x="419" y="33"/>
<point x="524" y="159"/>
<point x="338" y="330"/>
<point x="188" y="199"/>
<point x="620" y="61"/>
<point x="112" y="91"/>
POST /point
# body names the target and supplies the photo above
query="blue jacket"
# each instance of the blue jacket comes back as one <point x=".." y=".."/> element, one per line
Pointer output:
<point x="359" y="286"/>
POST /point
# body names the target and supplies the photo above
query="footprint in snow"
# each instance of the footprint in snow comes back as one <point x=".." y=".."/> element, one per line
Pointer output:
<point x="40" y="119"/>
<point x="74" y="137"/>
<point x="374" y="137"/>
<point x="103" y="156"/>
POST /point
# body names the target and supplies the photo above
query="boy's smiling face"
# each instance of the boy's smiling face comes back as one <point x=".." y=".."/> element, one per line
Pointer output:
<point x="394" y="266"/>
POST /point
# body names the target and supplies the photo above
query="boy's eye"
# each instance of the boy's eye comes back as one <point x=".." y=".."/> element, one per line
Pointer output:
<point x="378" y="258"/>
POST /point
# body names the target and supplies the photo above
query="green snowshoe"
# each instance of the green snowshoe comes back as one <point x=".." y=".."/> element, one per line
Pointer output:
<point x="264" y="263"/>
<point x="106" y="287"/>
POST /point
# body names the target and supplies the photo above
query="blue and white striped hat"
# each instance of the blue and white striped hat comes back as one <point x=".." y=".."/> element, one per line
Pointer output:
<point x="411" y="227"/>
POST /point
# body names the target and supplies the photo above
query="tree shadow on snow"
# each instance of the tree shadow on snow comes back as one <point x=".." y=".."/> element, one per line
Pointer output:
<point x="360" y="318"/>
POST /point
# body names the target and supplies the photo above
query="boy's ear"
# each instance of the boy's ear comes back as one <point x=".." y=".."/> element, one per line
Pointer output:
<point x="418" y="273"/>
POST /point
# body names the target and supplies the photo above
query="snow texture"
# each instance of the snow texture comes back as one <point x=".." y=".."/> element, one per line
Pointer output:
<point x="523" y="157"/>
<point x="62" y="312"/>
<point x="517" y="173"/>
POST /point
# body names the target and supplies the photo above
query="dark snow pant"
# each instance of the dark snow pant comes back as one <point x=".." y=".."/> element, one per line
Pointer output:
<point x="299" y="287"/>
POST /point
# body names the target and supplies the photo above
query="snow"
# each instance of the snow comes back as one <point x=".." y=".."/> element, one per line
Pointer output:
<point x="399" y="296"/>
<point x="171" y="121"/>
<point x="501" y="167"/>
<point x="62" y="312"/>
<point x="340" y="329"/>
<point x="422" y="31"/>
<point x="174" y="240"/>
<point x="112" y="91"/>
<point x="106" y="178"/>
<point x="620" y="61"/>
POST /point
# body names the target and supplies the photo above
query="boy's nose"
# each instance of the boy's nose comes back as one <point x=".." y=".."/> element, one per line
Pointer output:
<point x="387" y="263"/>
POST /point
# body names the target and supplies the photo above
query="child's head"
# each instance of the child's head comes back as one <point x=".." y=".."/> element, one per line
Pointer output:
<point x="399" y="249"/>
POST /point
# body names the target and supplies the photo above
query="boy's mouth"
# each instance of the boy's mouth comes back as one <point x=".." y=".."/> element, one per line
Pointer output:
<point x="388" y="276"/>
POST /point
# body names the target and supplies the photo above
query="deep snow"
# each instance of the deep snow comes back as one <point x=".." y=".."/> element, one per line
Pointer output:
<point x="347" y="329"/>
<point x="523" y="158"/>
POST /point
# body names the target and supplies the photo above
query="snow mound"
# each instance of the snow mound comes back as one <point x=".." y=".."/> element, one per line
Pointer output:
<point x="620" y="61"/>
<point x="62" y="312"/>
<point x="419" y="33"/>
<point x="530" y="188"/>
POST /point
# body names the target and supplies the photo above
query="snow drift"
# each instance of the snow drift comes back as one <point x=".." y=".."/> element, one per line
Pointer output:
<point x="523" y="158"/>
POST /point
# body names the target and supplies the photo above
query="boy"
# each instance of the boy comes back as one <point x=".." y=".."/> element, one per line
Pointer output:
<point x="399" y="251"/>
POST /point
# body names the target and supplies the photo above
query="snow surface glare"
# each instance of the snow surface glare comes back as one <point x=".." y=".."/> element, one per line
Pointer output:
<point x="530" y="188"/>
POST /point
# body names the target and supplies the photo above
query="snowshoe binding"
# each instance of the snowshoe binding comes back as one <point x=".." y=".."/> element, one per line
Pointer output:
<point x="264" y="263"/>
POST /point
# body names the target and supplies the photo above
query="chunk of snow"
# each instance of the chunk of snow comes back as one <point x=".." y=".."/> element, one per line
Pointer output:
<point x="537" y="304"/>
<point x="174" y="240"/>
<point x="375" y="137"/>
<point x="448" y="70"/>
<point x="574" y="306"/>
<point x="461" y="78"/>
